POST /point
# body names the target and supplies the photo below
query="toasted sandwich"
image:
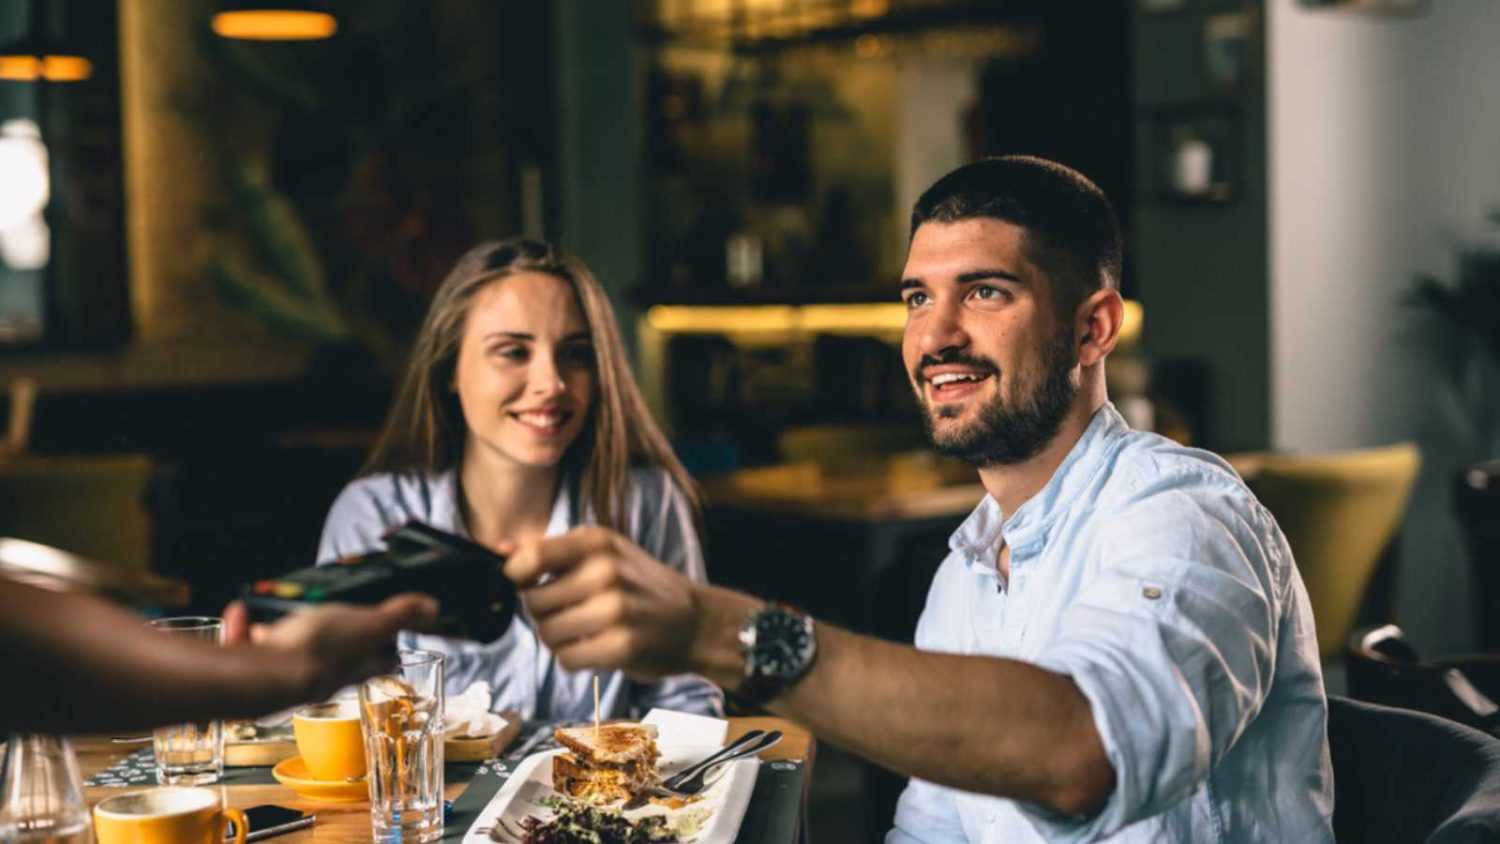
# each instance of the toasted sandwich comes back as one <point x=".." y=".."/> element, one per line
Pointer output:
<point x="614" y="763"/>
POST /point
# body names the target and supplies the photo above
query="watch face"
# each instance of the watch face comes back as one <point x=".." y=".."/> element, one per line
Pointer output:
<point x="783" y="644"/>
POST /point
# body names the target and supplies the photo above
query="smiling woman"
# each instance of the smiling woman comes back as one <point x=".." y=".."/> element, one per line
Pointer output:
<point x="519" y="417"/>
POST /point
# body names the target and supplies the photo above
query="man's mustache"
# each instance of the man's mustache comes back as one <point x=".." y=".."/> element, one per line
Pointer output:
<point x="953" y="357"/>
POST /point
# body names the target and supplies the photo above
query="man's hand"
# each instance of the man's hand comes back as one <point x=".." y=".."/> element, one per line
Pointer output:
<point x="330" y="647"/>
<point x="608" y="604"/>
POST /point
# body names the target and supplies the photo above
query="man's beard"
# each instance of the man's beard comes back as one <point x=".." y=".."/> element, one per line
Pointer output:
<point x="1006" y="434"/>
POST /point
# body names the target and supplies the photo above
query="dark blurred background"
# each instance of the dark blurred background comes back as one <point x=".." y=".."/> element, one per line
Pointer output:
<point x="214" y="251"/>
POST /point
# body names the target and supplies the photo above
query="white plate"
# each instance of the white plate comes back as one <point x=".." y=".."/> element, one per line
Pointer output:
<point x="724" y="800"/>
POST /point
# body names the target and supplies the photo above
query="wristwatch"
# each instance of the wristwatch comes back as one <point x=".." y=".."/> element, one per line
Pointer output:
<point x="779" y="645"/>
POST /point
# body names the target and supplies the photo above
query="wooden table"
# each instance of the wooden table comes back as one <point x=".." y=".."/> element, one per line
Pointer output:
<point x="853" y="543"/>
<point x="350" y="822"/>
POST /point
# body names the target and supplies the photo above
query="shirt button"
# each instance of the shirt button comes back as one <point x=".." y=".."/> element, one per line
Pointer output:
<point x="1151" y="593"/>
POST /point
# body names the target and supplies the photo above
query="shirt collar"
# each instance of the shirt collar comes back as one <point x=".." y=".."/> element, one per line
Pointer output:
<point x="982" y="531"/>
<point x="445" y="509"/>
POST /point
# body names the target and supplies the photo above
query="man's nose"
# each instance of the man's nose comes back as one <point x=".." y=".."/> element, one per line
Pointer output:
<point x="941" y="331"/>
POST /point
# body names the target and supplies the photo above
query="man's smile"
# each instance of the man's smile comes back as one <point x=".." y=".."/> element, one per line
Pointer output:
<point x="949" y="382"/>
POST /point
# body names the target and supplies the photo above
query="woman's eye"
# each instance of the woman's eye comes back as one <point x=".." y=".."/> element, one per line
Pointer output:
<point x="510" y="352"/>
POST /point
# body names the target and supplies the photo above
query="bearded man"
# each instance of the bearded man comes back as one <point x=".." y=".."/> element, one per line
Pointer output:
<point x="1118" y="646"/>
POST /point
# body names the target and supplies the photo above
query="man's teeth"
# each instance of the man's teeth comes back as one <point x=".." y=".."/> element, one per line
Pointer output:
<point x="951" y="377"/>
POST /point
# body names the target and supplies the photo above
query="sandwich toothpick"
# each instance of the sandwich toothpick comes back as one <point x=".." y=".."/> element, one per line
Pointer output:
<point x="596" y="707"/>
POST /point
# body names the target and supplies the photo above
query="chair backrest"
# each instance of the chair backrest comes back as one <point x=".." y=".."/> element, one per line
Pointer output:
<point x="91" y="505"/>
<point x="1339" y="513"/>
<point x="1402" y="776"/>
<point x="1383" y="668"/>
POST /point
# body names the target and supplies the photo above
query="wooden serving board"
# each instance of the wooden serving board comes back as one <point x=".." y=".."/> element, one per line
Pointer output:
<point x="271" y="745"/>
<point x="279" y="745"/>
<point x="462" y="749"/>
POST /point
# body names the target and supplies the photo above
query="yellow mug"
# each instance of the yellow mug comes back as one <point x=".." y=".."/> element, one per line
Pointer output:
<point x="330" y="741"/>
<point x="166" y="816"/>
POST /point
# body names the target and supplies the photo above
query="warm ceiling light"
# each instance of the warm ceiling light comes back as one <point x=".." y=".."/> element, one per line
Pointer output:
<point x="38" y="56"/>
<point x="275" y="24"/>
<point x="61" y="68"/>
<point x="20" y="68"/>
<point x="19" y="63"/>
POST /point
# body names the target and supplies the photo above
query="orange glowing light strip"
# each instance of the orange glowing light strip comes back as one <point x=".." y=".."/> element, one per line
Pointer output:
<point x="58" y="68"/>
<point x="275" y="25"/>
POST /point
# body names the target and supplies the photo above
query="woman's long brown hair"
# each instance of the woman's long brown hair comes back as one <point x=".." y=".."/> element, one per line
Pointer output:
<point x="425" y="430"/>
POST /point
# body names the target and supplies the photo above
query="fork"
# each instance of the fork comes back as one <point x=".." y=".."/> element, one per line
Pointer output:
<point x="691" y="781"/>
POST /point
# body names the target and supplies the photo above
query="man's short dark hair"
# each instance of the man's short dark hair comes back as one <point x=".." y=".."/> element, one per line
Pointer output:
<point x="1071" y="231"/>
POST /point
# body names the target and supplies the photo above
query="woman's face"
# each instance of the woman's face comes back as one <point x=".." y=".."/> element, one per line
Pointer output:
<point x="525" y="370"/>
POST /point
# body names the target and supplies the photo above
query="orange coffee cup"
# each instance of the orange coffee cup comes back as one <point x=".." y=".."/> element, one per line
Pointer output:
<point x="166" y="816"/>
<point x="330" y="740"/>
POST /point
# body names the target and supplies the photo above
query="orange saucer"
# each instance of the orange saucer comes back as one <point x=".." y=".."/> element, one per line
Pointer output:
<point x="293" y="774"/>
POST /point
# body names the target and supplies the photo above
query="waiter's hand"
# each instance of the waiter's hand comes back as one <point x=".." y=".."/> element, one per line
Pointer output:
<point x="329" y="647"/>
<point x="608" y="604"/>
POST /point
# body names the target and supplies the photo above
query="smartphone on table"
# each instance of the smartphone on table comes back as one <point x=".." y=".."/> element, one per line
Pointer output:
<point x="268" y="820"/>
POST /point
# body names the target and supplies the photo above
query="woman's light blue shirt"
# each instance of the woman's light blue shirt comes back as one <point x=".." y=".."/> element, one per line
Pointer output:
<point x="521" y="671"/>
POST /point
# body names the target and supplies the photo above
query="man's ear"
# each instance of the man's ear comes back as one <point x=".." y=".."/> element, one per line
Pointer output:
<point x="1098" y="320"/>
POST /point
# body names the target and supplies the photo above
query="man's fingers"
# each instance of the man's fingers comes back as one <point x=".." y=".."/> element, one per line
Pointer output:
<point x="583" y="620"/>
<point x="593" y="575"/>
<point x="236" y="623"/>
<point x="536" y="558"/>
<point x="611" y="649"/>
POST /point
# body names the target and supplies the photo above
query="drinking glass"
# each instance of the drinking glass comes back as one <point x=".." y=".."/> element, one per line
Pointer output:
<point x="401" y="715"/>
<point x="192" y="753"/>
<point x="43" y="800"/>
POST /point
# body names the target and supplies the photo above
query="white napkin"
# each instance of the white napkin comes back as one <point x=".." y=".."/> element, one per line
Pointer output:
<point x="682" y="729"/>
<point x="469" y="714"/>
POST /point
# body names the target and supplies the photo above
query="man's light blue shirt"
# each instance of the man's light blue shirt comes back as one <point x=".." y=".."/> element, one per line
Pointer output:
<point x="1149" y="574"/>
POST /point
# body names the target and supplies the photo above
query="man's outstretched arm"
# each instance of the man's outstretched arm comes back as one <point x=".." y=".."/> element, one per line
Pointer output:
<point x="981" y="724"/>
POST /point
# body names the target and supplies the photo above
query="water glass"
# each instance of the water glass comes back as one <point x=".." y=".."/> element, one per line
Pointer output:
<point x="192" y="753"/>
<point x="42" y="800"/>
<point x="401" y="715"/>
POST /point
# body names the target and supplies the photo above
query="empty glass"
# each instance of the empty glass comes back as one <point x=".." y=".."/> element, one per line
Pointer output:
<point x="192" y="753"/>
<point x="43" y="793"/>
<point x="402" y="718"/>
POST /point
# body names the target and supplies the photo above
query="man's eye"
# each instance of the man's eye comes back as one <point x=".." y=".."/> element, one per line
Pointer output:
<point x="916" y="300"/>
<point x="989" y="293"/>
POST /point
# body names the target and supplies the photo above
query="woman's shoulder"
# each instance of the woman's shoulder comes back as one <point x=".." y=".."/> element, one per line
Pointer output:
<point x="650" y="487"/>
<point x="659" y="517"/>
<point x="650" y="478"/>
<point x="395" y="496"/>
